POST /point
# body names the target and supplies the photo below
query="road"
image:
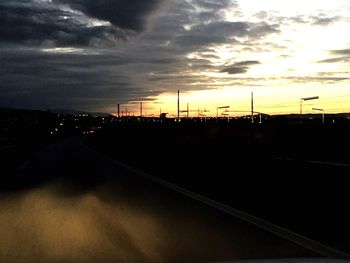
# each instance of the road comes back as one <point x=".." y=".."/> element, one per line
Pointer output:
<point x="70" y="204"/>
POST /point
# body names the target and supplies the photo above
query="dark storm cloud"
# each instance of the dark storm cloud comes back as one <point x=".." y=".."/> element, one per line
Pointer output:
<point x="190" y="26"/>
<point x="127" y="14"/>
<point x="240" y="67"/>
<point x="235" y="70"/>
<point x="177" y="78"/>
<point x="160" y="61"/>
<point x="209" y="56"/>
<point x="180" y="33"/>
<point x="199" y="64"/>
<point x="183" y="31"/>
<point x="62" y="23"/>
<point x="247" y="63"/>
<point x="212" y="10"/>
<point x="258" y="30"/>
<point x="60" y="80"/>
<point x="214" y="5"/>
<point x="96" y="78"/>
<point x="221" y="32"/>
<point x="341" y="56"/>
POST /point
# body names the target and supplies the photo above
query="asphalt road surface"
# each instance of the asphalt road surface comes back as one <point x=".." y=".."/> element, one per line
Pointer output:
<point x="70" y="204"/>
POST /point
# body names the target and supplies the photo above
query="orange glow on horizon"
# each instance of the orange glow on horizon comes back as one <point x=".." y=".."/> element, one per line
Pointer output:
<point x="273" y="101"/>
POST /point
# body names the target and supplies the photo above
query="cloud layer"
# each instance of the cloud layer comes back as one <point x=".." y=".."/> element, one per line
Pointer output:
<point x="73" y="23"/>
<point x="126" y="14"/>
<point x="91" y="55"/>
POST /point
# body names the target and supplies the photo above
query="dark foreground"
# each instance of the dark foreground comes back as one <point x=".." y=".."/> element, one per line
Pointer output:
<point x="70" y="204"/>
<point x="293" y="175"/>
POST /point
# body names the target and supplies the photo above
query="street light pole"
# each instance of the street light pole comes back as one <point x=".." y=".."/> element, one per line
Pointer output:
<point x="217" y="111"/>
<point x="321" y="110"/>
<point x="188" y="110"/>
<point x="178" y="105"/>
<point x="301" y="111"/>
<point x="301" y="105"/>
<point x="322" y="118"/>
<point x="252" y="106"/>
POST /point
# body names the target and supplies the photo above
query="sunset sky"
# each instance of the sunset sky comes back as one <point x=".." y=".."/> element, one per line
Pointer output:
<point x="91" y="55"/>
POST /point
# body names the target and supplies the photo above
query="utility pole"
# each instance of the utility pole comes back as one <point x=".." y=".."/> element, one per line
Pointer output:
<point x="141" y="109"/>
<point x="118" y="110"/>
<point x="301" y="111"/>
<point x="188" y="110"/>
<point x="178" y="105"/>
<point x="322" y="111"/>
<point x="252" y="106"/>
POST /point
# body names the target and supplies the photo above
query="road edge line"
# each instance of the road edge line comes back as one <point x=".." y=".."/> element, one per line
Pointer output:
<point x="282" y="232"/>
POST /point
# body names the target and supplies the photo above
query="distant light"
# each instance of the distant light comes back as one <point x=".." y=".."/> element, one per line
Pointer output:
<point x="187" y="27"/>
<point x="56" y="129"/>
<point x="61" y="124"/>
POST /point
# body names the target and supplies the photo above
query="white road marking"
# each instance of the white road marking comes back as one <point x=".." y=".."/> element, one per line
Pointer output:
<point x="296" y="238"/>
<point x="314" y="162"/>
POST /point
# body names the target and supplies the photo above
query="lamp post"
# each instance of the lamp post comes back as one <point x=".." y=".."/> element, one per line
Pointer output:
<point x="217" y="111"/>
<point x="301" y="105"/>
<point x="252" y="107"/>
<point x="188" y="110"/>
<point x="226" y="113"/>
<point x="320" y="110"/>
<point x="178" y="105"/>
